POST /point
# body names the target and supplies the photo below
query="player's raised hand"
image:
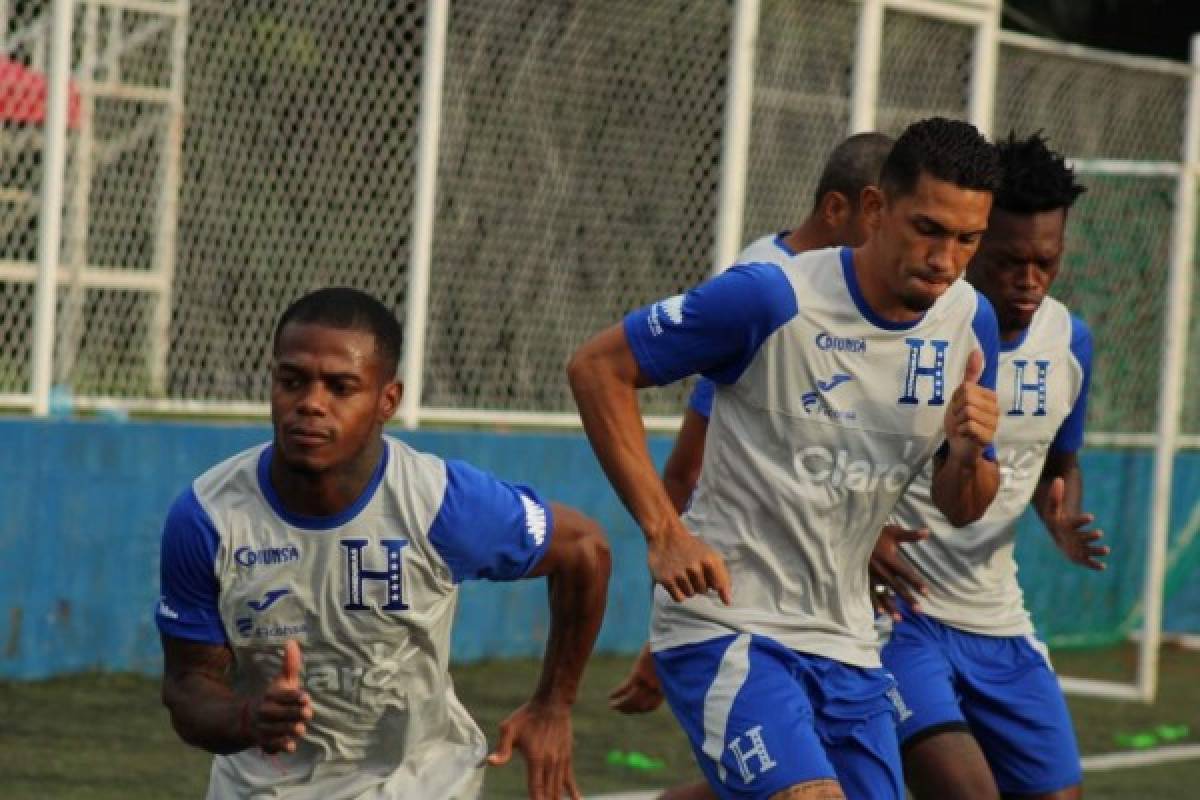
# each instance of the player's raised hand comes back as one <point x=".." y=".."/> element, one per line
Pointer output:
<point x="890" y="572"/>
<point x="686" y="566"/>
<point x="640" y="691"/>
<point x="1068" y="530"/>
<point x="973" y="413"/>
<point x="276" y="721"/>
<point x="542" y="732"/>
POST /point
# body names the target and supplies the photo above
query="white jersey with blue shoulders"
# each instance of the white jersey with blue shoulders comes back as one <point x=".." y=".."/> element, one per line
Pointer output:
<point x="369" y="594"/>
<point x="1042" y="389"/>
<point x="824" y="412"/>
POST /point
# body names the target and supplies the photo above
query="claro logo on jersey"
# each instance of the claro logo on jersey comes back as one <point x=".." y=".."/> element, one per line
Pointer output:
<point x="266" y="556"/>
<point x="666" y="313"/>
<point x="326" y="673"/>
<point x="841" y="344"/>
<point x="839" y="470"/>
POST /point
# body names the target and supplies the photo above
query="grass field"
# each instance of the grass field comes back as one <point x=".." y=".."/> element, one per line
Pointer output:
<point x="106" y="736"/>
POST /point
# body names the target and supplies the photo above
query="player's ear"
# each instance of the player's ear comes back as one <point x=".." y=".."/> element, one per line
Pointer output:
<point x="871" y="202"/>
<point x="835" y="210"/>
<point x="389" y="400"/>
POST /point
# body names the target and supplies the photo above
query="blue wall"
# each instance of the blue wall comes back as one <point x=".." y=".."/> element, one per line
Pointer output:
<point x="83" y="503"/>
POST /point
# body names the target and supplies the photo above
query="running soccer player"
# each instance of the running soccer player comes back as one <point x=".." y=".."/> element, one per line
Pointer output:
<point x="985" y="715"/>
<point x="309" y="586"/>
<point x="839" y="374"/>
<point x="836" y="219"/>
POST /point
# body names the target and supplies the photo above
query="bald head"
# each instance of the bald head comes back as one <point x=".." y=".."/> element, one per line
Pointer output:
<point x="853" y="164"/>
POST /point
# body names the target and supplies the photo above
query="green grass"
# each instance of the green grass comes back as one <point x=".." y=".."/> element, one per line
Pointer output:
<point x="106" y="736"/>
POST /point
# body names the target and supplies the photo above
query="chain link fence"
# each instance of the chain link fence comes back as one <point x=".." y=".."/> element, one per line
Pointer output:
<point x="224" y="157"/>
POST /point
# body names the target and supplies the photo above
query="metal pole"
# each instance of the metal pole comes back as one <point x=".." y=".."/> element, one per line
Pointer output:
<point x="428" y="134"/>
<point x="735" y="145"/>
<point x="982" y="102"/>
<point x="168" y="207"/>
<point x="1174" y="363"/>
<point x="50" y="224"/>
<point x="867" y="55"/>
<point x="76" y="243"/>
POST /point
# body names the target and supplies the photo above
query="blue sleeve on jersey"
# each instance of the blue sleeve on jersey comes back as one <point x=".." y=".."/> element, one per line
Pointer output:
<point x="987" y="331"/>
<point x="701" y="400"/>
<point x="714" y="329"/>
<point x="1070" y="434"/>
<point x="487" y="528"/>
<point x="187" y="605"/>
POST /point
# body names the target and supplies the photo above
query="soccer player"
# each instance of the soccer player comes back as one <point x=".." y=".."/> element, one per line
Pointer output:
<point x="985" y="715"/>
<point x="836" y="219"/>
<point x="839" y="374"/>
<point x="309" y="586"/>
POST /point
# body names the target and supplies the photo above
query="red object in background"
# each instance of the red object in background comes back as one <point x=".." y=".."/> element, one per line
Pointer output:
<point x="23" y="95"/>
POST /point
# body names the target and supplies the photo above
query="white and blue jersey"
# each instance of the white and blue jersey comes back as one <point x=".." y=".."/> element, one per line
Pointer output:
<point x="1042" y="394"/>
<point x="971" y="660"/>
<point x="824" y="412"/>
<point x="369" y="594"/>
<point x="701" y="398"/>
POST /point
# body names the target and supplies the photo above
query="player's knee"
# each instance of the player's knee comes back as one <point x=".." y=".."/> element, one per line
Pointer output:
<point x="588" y="542"/>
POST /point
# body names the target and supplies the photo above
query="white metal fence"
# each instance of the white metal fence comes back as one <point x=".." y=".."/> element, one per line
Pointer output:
<point x="511" y="175"/>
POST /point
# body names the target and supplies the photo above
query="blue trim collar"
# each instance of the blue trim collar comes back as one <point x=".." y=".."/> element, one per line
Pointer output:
<point x="1008" y="347"/>
<point x="312" y="523"/>
<point x="856" y="294"/>
<point x="782" y="244"/>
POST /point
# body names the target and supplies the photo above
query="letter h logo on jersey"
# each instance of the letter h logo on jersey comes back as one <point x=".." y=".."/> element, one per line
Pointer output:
<point x="1020" y="388"/>
<point x="392" y="577"/>
<point x="916" y="371"/>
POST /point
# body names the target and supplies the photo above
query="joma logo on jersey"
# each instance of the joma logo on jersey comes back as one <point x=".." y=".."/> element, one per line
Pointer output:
<point x="814" y="401"/>
<point x="842" y="344"/>
<point x="936" y="371"/>
<point x="839" y="470"/>
<point x="266" y="556"/>
<point x="391" y="577"/>
<point x="664" y="313"/>
<point x="1020" y="387"/>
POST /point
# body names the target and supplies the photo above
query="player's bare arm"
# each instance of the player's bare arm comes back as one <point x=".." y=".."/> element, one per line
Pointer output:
<point x="641" y="691"/>
<point x="682" y="470"/>
<point x="206" y="713"/>
<point x="604" y="378"/>
<point x="1058" y="499"/>
<point x="577" y="566"/>
<point x="964" y="480"/>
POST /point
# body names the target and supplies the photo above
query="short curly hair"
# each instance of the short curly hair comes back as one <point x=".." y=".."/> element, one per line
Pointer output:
<point x="348" y="309"/>
<point x="947" y="149"/>
<point x="1035" y="177"/>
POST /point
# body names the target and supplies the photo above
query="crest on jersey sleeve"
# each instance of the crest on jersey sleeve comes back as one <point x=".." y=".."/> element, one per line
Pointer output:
<point x="666" y="313"/>
<point x="535" y="520"/>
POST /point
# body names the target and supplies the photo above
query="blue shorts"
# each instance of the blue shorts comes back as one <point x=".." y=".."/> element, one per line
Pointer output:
<point x="1000" y="689"/>
<point x="762" y="718"/>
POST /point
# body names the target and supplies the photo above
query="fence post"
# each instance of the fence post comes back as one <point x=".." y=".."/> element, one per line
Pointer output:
<point x="58" y="77"/>
<point x="429" y="127"/>
<point x="982" y="102"/>
<point x="1174" y="363"/>
<point x="867" y="55"/>
<point x="735" y="139"/>
<point x="167" y="212"/>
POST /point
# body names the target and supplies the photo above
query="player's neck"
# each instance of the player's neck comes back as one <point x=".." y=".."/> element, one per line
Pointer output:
<point x="1009" y="335"/>
<point x="878" y="295"/>
<point x="811" y="234"/>
<point x="325" y="493"/>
